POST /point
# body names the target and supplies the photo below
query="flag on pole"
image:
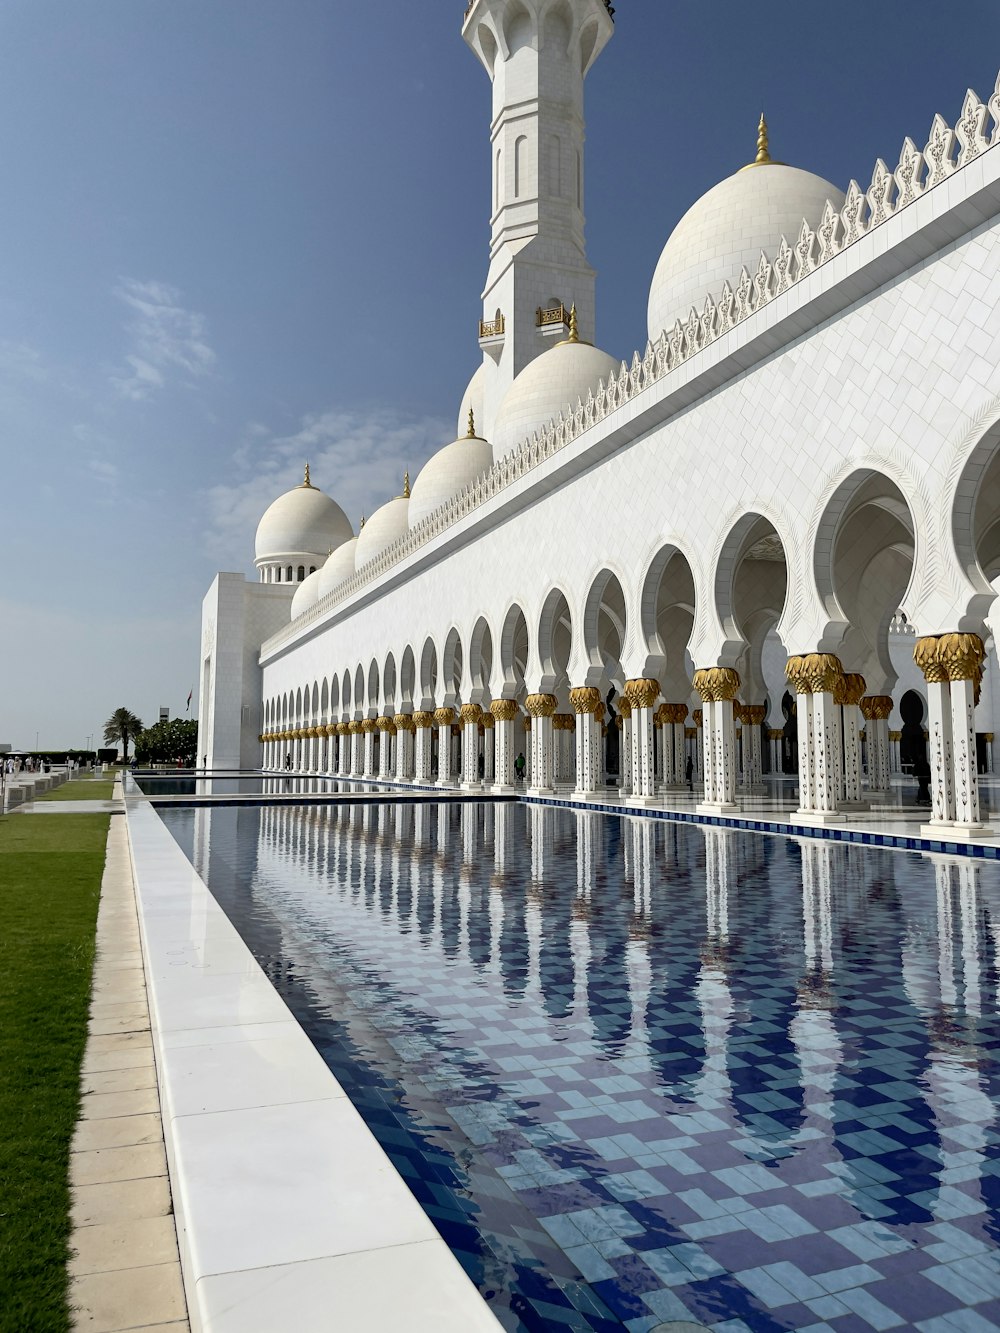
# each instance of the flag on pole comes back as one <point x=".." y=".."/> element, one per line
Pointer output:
<point x="187" y="706"/>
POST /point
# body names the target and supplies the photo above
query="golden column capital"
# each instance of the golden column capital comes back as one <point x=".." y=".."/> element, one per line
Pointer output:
<point x="876" y="707"/>
<point x="541" y="705"/>
<point x="386" y="724"/>
<point x="404" y="722"/>
<point x="471" y="714"/>
<point x="423" y="720"/>
<point x="925" y="654"/>
<point x="716" y="684"/>
<point x="962" y="656"/>
<point x="624" y="705"/>
<point x="585" y="699"/>
<point x="444" y="717"/>
<point x="642" y="692"/>
<point x="698" y="716"/>
<point x="354" y="727"/>
<point x="504" y="710"/>
<point x="679" y="712"/>
<point x="564" y="721"/>
<point x="739" y="712"/>
<point x="343" y="728"/>
<point x="854" y="688"/>
<point x="487" y="721"/>
<point x="814" y="673"/>
<point x="662" y="715"/>
<point x="895" y="735"/>
<point x="330" y="729"/>
<point x="369" y="725"/>
<point x="527" y="724"/>
<point x="775" y="734"/>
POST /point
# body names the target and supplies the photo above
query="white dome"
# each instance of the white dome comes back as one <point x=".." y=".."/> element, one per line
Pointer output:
<point x="445" y="474"/>
<point x="306" y="594"/>
<point x="473" y="400"/>
<point x="302" y="522"/>
<point x="339" y="566"/>
<point x="550" y="384"/>
<point x="725" y="231"/>
<point x="381" y="530"/>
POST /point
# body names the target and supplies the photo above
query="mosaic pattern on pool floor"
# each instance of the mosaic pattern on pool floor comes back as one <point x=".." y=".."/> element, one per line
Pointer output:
<point x="638" y="1071"/>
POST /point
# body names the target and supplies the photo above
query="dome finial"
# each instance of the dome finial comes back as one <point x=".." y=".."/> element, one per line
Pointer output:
<point x="574" y="329"/>
<point x="472" y="425"/>
<point x="362" y="523"/>
<point x="406" y="485"/>
<point x="763" y="158"/>
<point x="307" y="484"/>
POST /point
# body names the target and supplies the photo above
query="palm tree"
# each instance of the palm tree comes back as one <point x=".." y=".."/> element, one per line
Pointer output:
<point x="122" y="726"/>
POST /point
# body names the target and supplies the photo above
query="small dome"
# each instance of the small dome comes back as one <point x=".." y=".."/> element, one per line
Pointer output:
<point x="473" y="401"/>
<point x="302" y="522"/>
<point x="306" y="594"/>
<point x="382" y="529"/>
<point x="726" y="230"/>
<point x="339" y="567"/>
<point x="446" y="473"/>
<point x="550" y="384"/>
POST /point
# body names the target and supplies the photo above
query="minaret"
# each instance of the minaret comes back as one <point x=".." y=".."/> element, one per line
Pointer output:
<point x="537" y="53"/>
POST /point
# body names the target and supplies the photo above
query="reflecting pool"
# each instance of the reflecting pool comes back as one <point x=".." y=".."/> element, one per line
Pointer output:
<point x="639" y="1071"/>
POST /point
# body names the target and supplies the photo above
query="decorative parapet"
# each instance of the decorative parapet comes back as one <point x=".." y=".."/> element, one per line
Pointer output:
<point x="556" y="315"/>
<point x="493" y="328"/>
<point x="947" y="150"/>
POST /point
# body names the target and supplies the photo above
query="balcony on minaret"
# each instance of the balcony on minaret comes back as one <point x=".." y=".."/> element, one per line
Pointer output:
<point x="552" y="321"/>
<point x="491" y="335"/>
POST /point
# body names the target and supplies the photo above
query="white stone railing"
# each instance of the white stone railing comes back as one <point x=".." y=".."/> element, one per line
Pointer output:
<point x="946" y="151"/>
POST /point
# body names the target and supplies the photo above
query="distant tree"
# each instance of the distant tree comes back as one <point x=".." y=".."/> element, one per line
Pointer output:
<point x="168" y="742"/>
<point x="122" y="726"/>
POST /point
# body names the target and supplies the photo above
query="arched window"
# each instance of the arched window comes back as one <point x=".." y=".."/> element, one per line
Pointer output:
<point x="277" y="575"/>
<point x="302" y="573"/>
<point x="312" y="569"/>
<point x="288" y="575"/>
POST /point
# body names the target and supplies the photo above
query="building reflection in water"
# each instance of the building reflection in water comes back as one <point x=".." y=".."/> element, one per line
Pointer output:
<point x="828" y="1010"/>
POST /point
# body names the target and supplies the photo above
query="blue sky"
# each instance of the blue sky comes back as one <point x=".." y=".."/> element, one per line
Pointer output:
<point x="235" y="234"/>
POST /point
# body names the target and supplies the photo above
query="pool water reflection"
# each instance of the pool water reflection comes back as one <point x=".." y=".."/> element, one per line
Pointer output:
<point x="639" y="1071"/>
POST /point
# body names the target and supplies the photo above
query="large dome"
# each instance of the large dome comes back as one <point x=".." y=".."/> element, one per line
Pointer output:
<point x="550" y="384"/>
<point x="339" y="566"/>
<point x="306" y="594"/>
<point x="725" y="231"/>
<point x="382" y="529"/>
<point x="446" y="473"/>
<point x="302" y="522"/>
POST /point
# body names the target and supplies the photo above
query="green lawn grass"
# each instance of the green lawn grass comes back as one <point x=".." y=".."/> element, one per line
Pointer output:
<point x="81" y="789"/>
<point x="50" y="879"/>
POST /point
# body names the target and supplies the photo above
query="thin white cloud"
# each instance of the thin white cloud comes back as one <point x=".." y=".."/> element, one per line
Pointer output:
<point x="165" y="336"/>
<point x="357" y="458"/>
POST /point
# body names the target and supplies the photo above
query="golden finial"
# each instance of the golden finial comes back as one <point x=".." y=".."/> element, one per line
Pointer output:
<point x="472" y="425"/>
<point x="406" y="485"/>
<point x="763" y="157"/>
<point x="362" y="523"/>
<point x="574" y="331"/>
<point x="307" y="482"/>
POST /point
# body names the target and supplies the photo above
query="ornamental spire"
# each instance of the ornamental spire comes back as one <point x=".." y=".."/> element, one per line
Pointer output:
<point x="406" y="485"/>
<point x="472" y="425"/>
<point x="574" y="331"/>
<point x="763" y="158"/>
<point x="307" y="484"/>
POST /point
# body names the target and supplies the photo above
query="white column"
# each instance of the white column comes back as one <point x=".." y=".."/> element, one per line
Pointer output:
<point x="404" y="748"/>
<point x="385" y="750"/>
<point x="541" y="707"/>
<point x="357" y="753"/>
<point x="680" y="756"/>
<point x="963" y="748"/>
<point x="705" y="732"/>
<point x="443" y="718"/>
<point x="642" y="695"/>
<point x="852" y="753"/>
<point x="625" y="747"/>
<point x="368" y="738"/>
<point x="826" y="752"/>
<point x="940" y="752"/>
<point x="489" y="749"/>
<point x="586" y="700"/>
<point x="528" y="752"/>
<point x="725" y="768"/>
<point x="470" y="714"/>
<point x="506" y="715"/>
<point x="423" y="748"/>
<point x="343" y="755"/>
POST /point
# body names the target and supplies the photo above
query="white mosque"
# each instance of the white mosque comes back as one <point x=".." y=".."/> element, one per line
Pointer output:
<point x="599" y="571"/>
